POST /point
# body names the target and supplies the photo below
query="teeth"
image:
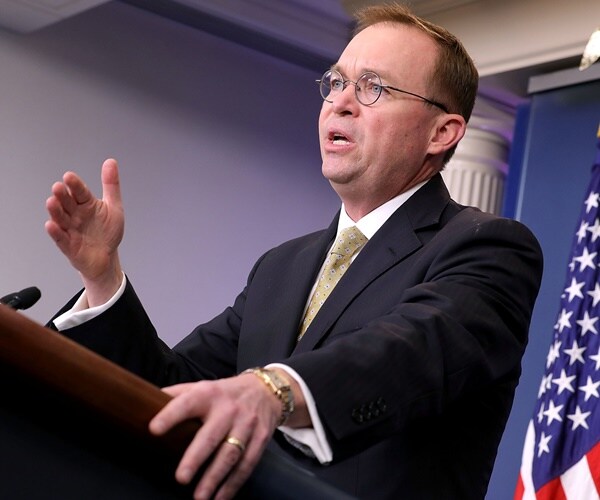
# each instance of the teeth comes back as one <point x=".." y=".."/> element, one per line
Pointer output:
<point x="338" y="139"/>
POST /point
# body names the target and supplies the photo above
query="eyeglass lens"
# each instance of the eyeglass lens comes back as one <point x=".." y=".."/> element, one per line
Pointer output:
<point x="368" y="87"/>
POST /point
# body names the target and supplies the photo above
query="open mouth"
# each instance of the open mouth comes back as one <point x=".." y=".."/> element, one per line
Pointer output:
<point x="339" y="139"/>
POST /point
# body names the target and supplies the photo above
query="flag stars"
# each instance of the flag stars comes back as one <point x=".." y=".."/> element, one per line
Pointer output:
<point x="563" y="382"/>
<point x="543" y="444"/>
<point x="590" y="388"/>
<point x="540" y="415"/>
<point x="587" y="324"/>
<point x="553" y="413"/>
<point x="596" y="358"/>
<point x="564" y="320"/>
<point x="575" y="353"/>
<point x="579" y="418"/>
<point x="553" y="355"/>
<point x="586" y="259"/>
<point x="591" y="202"/>
<point x="582" y="231"/>
<point x="545" y="385"/>
<point x="574" y="290"/>
<point x="595" y="294"/>
<point x="594" y="230"/>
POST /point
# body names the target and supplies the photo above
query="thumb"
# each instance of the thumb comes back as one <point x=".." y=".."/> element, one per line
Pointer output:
<point x="111" y="186"/>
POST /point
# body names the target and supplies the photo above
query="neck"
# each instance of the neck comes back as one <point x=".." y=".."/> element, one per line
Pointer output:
<point x="358" y="203"/>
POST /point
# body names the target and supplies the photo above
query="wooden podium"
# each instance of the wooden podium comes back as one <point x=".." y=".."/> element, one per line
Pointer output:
<point x="73" y="425"/>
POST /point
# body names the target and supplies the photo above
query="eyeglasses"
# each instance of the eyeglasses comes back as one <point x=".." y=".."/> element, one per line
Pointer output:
<point x="368" y="88"/>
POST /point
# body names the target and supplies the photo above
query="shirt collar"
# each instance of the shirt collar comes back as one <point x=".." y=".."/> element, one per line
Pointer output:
<point x="371" y="222"/>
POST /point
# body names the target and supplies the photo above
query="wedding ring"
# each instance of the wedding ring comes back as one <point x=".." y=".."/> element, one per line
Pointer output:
<point x="235" y="442"/>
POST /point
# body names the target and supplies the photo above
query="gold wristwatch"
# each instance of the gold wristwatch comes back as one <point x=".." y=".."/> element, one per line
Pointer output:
<point x="279" y="386"/>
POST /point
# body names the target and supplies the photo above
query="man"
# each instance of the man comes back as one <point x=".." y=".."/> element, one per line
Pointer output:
<point x="395" y="383"/>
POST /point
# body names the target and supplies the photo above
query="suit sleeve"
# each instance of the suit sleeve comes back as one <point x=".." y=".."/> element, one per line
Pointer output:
<point x="125" y="335"/>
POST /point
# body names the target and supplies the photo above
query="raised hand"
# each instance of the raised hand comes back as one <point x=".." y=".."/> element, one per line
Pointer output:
<point x="88" y="230"/>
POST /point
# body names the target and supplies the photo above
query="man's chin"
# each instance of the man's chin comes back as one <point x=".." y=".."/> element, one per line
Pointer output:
<point x="337" y="174"/>
<point x="343" y="187"/>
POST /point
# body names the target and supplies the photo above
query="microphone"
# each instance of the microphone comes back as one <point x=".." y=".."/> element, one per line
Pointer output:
<point x="23" y="299"/>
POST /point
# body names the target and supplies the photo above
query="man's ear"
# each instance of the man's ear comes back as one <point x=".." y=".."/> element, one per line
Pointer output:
<point x="448" y="130"/>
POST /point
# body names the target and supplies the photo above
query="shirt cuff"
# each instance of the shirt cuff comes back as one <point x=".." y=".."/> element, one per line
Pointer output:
<point x="312" y="441"/>
<point x="80" y="312"/>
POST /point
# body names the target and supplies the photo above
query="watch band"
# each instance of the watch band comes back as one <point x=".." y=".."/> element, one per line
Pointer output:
<point x="280" y="387"/>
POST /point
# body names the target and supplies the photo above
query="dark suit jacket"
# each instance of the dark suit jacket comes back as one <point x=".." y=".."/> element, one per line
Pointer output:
<point x="413" y="360"/>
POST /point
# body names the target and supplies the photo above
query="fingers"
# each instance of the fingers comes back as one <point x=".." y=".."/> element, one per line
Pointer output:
<point x="61" y="203"/>
<point x="188" y="405"/>
<point x="72" y="192"/>
<point x="224" y="467"/>
<point x="56" y="209"/>
<point x="172" y="413"/>
<point x="58" y="235"/>
<point x="239" y="474"/>
<point x="231" y="440"/>
<point x="233" y="460"/>
<point x="76" y="192"/>
<point x="66" y="197"/>
<point x="60" y="222"/>
<point x="193" y="401"/>
<point x="111" y="186"/>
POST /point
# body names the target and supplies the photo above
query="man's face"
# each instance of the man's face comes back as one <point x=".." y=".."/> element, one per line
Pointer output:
<point x="372" y="153"/>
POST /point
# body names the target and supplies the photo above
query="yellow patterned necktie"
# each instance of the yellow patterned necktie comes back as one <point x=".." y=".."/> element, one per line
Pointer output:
<point x="346" y="245"/>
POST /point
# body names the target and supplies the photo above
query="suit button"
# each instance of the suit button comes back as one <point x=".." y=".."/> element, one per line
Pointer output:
<point x="357" y="416"/>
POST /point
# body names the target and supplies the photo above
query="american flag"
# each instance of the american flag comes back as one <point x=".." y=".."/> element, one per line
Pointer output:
<point x="561" y="455"/>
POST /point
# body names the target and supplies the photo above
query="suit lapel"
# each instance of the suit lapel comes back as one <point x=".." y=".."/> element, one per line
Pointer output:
<point x="394" y="241"/>
<point x="302" y="273"/>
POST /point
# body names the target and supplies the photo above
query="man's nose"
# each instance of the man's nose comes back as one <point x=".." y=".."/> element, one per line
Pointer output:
<point x="346" y="100"/>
